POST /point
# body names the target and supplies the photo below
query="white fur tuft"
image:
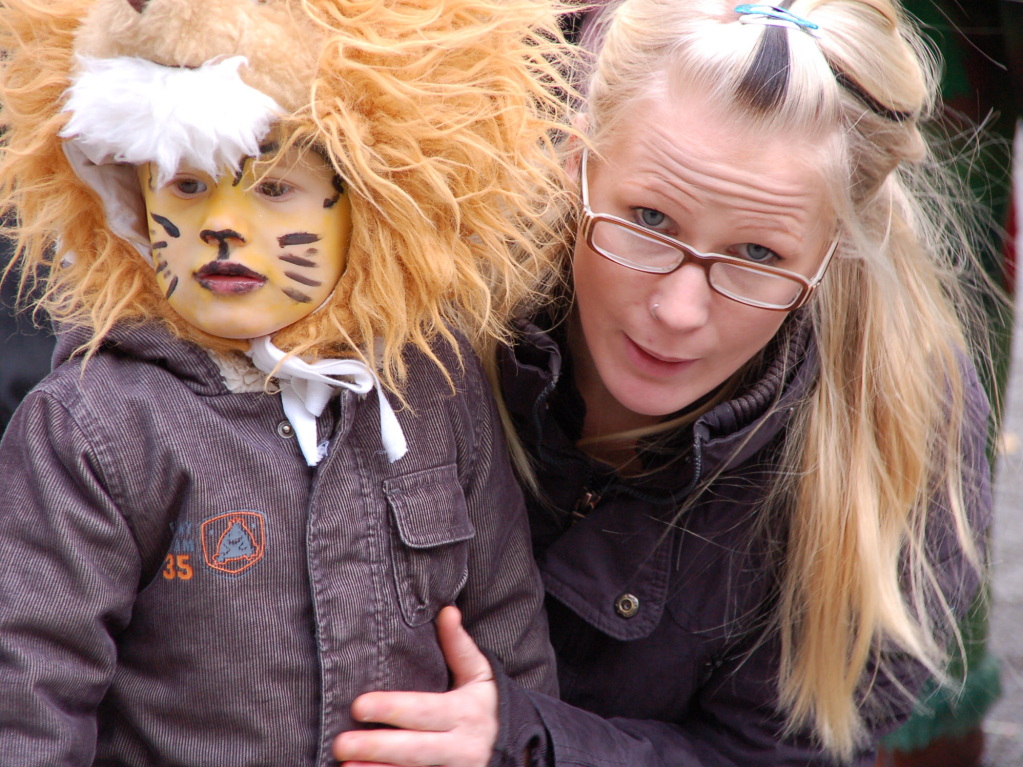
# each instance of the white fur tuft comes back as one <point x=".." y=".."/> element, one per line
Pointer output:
<point x="130" y="110"/>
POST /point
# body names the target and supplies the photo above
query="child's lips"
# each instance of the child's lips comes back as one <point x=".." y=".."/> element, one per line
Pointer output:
<point x="230" y="278"/>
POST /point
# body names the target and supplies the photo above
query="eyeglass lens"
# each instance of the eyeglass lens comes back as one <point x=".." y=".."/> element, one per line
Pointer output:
<point x="631" y="248"/>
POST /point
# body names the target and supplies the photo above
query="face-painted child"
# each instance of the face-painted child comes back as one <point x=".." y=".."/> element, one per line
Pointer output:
<point x="250" y="252"/>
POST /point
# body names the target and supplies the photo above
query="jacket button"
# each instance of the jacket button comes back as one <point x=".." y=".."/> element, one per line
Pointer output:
<point x="285" y="430"/>
<point x="627" y="605"/>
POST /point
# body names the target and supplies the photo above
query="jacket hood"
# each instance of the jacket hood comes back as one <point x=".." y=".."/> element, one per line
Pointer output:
<point x="152" y="343"/>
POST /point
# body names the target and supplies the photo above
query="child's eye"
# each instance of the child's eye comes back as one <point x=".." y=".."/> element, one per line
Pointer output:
<point x="186" y="186"/>
<point x="757" y="253"/>
<point x="273" y="189"/>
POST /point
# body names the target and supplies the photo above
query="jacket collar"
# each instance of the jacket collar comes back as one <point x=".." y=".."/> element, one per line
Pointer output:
<point x="737" y="429"/>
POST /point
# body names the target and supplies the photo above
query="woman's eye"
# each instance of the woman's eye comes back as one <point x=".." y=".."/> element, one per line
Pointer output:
<point x="188" y="187"/>
<point x="757" y="253"/>
<point x="650" y="218"/>
<point x="274" y="189"/>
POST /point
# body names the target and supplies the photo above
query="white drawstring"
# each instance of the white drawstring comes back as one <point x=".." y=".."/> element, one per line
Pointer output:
<point x="306" y="387"/>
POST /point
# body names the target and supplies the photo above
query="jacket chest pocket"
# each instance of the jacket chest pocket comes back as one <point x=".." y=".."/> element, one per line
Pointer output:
<point x="430" y="551"/>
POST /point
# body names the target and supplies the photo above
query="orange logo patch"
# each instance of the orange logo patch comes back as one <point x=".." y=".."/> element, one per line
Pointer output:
<point x="233" y="542"/>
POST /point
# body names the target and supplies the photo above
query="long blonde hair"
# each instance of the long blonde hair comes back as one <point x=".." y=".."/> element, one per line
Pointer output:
<point x="879" y="436"/>
<point x="438" y="116"/>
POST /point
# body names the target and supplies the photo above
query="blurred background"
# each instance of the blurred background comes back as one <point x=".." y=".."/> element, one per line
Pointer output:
<point x="981" y="42"/>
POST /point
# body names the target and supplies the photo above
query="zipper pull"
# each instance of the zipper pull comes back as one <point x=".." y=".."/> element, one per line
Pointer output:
<point x="586" y="503"/>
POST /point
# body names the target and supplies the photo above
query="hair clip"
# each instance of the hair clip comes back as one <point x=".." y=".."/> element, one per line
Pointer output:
<point x="773" y="16"/>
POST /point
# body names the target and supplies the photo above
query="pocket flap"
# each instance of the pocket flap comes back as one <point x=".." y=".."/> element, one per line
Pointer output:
<point x="429" y="507"/>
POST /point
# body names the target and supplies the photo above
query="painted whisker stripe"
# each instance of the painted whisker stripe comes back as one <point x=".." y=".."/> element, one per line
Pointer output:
<point x="303" y="280"/>
<point x="160" y="244"/>
<point x="296" y="260"/>
<point x="296" y="295"/>
<point x="297" y="238"/>
<point x="172" y="287"/>
<point x="167" y="224"/>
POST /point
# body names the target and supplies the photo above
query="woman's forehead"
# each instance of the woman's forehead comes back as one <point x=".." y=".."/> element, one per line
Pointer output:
<point x="684" y="141"/>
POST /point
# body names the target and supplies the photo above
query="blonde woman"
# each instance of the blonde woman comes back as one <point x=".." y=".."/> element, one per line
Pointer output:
<point x="754" y="436"/>
<point x="267" y="456"/>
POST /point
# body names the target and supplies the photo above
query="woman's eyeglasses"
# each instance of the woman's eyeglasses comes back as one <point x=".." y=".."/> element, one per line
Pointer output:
<point x="635" y="247"/>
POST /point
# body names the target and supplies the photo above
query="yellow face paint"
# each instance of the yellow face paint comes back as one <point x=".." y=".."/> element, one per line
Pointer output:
<point x="242" y="256"/>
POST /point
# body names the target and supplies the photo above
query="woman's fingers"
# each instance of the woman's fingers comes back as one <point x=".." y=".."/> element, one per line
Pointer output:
<point x="456" y="728"/>
<point x="463" y="657"/>
<point x="407" y="749"/>
<point x="428" y="711"/>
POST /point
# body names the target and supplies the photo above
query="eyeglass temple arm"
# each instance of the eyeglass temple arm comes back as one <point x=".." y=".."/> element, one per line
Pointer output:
<point x="582" y="180"/>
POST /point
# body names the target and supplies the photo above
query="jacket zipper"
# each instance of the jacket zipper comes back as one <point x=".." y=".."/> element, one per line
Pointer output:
<point x="587" y="502"/>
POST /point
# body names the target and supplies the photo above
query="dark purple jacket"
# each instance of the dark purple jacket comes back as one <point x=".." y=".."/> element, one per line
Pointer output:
<point x="660" y="629"/>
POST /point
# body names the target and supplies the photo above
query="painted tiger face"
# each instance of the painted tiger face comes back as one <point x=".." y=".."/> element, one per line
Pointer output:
<point x="248" y="253"/>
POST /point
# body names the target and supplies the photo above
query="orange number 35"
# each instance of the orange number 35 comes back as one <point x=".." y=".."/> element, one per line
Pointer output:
<point x="177" y="566"/>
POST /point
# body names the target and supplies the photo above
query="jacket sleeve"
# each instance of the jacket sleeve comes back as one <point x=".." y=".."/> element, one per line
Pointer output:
<point x="68" y="569"/>
<point x="733" y="724"/>
<point x="740" y="731"/>
<point x="502" y="602"/>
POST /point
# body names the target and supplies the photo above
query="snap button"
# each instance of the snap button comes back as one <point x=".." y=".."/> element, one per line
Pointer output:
<point x="627" y="605"/>
<point x="285" y="430"/>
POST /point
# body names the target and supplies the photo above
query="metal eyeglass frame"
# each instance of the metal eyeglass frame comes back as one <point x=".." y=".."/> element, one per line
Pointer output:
<point x="690" y="255"/>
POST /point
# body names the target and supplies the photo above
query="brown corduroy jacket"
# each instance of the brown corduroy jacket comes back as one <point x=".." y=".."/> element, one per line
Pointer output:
<point x="178" y="587"/>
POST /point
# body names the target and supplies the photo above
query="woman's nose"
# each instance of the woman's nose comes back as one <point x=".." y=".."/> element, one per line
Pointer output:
<point x="683" y="298"/>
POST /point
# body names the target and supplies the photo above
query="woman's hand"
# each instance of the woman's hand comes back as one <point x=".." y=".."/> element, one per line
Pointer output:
<point x="456" y="728"/>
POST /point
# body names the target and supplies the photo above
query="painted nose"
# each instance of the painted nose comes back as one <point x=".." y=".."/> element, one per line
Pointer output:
<point x="224" y="239"/>
<point x="226" y="219"/>
<point x="683" y="298"/>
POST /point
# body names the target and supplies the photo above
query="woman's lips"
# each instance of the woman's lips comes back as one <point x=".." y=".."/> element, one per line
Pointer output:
<point x="652" y="363"/>
<point x="227" y="277"/>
